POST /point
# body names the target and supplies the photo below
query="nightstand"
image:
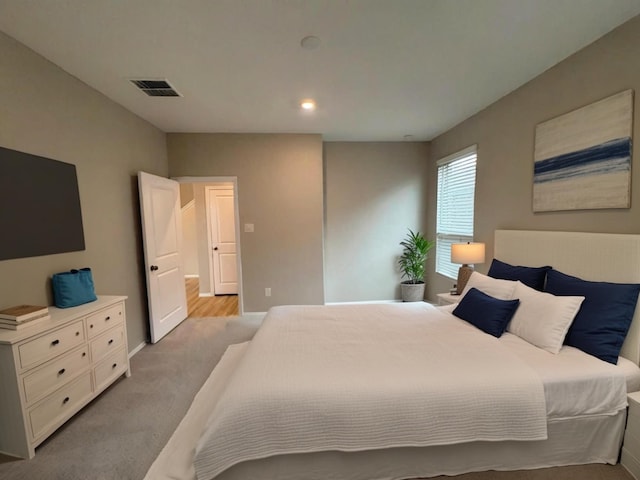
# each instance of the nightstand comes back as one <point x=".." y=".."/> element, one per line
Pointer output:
<point x="447" y="298"/>
<point x="631" y="446"/>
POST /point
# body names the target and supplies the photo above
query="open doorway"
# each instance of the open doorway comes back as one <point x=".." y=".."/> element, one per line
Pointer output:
<point x="209" y="208"/>
<point x="209" y="306"/>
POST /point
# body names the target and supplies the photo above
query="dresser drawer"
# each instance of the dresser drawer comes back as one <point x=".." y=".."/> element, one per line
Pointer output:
<point x="54" y="374"/>
<point x="108" y="342"/>
<point x="107" y="318"/>
<point x="110" y="368"/>
<point x="60" y="405"/>
<point x="51" y="345"/>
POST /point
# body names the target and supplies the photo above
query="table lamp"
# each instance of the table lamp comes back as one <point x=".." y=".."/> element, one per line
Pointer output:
<point x="466" y="254"/>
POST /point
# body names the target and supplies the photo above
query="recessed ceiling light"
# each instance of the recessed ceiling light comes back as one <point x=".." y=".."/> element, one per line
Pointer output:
<point x="308" y="104"/>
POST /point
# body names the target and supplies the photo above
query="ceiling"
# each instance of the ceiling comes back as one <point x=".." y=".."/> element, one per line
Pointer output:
<point x="384" y="69"/>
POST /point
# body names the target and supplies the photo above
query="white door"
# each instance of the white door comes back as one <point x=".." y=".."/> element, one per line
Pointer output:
<point x="222" y="230"/>
<point x="162" y="238"/>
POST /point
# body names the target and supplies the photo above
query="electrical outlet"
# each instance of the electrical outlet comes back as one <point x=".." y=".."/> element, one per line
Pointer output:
<point x="267" y="292"/>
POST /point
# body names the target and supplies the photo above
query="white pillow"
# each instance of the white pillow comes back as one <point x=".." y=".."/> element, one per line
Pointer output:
<point x="501" y="289"/>
<point x="543" y="319"/>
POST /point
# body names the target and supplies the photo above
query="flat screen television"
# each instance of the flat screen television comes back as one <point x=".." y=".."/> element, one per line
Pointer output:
<point x="40" y="210"/>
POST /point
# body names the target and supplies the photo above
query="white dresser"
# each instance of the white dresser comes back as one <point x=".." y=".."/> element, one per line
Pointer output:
<point x="48" y="372"/>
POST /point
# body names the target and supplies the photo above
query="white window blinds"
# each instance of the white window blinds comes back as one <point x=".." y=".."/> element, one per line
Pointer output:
<point x="455" y="205"/>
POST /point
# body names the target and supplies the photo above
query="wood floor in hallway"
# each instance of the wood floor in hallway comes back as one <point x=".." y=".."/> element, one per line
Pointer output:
<point x="217" y="306"/>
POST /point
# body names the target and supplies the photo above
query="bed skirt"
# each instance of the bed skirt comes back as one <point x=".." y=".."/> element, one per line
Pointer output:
<point x="576" y="441"/>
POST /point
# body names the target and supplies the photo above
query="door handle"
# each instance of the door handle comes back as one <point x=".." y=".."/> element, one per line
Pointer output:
<point x="153" y="268"/>
<point x="215" y="248"/>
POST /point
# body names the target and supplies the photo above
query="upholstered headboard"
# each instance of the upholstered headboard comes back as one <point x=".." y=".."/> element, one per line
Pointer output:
<point x="591" y="256"/>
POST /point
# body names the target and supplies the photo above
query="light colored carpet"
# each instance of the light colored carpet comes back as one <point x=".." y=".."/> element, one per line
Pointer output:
<point x="118" y="436"/>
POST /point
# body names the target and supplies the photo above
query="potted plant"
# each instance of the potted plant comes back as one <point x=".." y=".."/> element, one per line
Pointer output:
<point x="412" y="264"/>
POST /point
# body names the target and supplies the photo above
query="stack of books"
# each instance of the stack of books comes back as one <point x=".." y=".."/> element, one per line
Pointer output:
<point x="23" y="316"/>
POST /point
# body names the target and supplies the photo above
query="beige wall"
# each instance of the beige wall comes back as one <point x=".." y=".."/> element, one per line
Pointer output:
<point x="373" y="192"/>
<point x="504" y="133"/>
<point x="280" y="192"/>
<point x="202" y="243"/>
<point x="189" y="241"/>
<point x="186" y="193"/>
<point x="189" y="236"/>
<point x="45" y="111"/>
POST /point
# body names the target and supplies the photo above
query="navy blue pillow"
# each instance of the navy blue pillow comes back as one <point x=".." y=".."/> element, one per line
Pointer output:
<point x="489" y="314"/>
<point x="603" y="320"/>
<point x="531" y="276"/>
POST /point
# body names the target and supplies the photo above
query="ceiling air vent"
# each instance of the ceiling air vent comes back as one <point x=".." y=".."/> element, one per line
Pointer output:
<point x="156" y="88"/>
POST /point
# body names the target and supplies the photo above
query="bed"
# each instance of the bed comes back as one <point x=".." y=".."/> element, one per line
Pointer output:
<point x="349" y="391"/>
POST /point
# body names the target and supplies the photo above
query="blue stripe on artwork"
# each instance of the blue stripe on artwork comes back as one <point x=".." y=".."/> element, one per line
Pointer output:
<point x="608" y="157"/>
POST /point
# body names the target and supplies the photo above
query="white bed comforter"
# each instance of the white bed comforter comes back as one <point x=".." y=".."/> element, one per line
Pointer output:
<point x="365" y="377"/>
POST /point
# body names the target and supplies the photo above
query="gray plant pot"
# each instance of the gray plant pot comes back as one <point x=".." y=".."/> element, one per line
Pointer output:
<point x="412" y="292"/>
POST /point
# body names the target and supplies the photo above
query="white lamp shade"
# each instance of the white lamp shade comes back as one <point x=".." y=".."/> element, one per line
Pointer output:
<point x="467" y="253"/>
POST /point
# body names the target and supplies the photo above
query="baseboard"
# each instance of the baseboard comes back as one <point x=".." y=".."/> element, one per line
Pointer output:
<point x="137" y="349"/>
<point x="253" y="314"/>
<point x="206" y="294"/>
<point x="192" y="276"/>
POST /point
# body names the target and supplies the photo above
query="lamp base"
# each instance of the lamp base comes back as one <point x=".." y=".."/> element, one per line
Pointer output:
<point x="464" y="273"/>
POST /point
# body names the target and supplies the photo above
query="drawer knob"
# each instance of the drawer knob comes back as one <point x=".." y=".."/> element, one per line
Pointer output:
<point x="106" y="319"/>
<point x="55" y="342"/>
<point x="91" y="326"/>
<point x="114" y="365"/>
<point x="60" y="372"/>
<point x="77" y="334"/>
<point x="84" y="354"/>
<point x="66" y="400"/>
<point x="110" y="341"/>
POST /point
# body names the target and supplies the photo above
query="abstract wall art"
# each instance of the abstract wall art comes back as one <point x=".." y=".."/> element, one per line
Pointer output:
<point x="582" y="160"/>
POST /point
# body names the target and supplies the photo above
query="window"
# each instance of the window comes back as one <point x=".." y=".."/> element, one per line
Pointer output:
<point x="456" y="189"/>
